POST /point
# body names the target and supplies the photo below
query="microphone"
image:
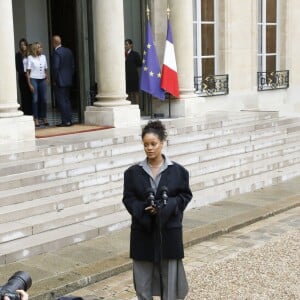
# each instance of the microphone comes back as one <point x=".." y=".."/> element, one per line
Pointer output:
<point x="164" y="194"/>
<point x="150" y="196"/>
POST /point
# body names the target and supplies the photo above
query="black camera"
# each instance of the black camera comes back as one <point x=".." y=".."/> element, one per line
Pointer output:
<point x="18" y="281"/>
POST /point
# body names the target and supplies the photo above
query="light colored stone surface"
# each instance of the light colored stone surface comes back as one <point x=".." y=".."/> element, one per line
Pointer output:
<point x="66" y="179"/>
<point x="260" y="261"/>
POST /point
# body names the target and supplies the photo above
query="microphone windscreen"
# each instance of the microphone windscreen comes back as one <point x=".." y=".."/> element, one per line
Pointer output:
<point x="164" y="189"/>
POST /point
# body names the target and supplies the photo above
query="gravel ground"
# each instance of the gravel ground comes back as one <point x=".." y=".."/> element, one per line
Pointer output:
<point x="269" y="272"/>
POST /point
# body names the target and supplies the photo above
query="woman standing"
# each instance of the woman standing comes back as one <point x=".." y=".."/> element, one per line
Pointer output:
<point x="37" y="80"/>
<point x="21" y="67"/>
<point x="156" y="192"/>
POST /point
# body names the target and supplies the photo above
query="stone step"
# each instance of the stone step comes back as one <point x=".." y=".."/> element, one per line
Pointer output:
<point x="232" y="165"/>
<point x="210" y="179"/>
<point x="251" y="130"/>
<point x="61" y="155"/>
<point x="218" y="119"/>
<point x="48" y="189"/>
<point x="31" y="225"/>
<point x="42" y="162"/>
<point x="85" y="178"/>
<point x="203" y="176"/>
<point x="218" y="172"/>
<point x="108" y="166"/>
<point x="219" y="143"/>
<point x="244" y="185"/>
<point x="55" y="239"/>
<point x="54" y="203"/>
<point x="79" y="213"/>
<point x="244" y="160"/>
<point x="92" y="140"/>
<point x="233" y="150"/>
<point x="61" y="163"/>
<point x="221" y="128"/>
<point x="40" y="206"/>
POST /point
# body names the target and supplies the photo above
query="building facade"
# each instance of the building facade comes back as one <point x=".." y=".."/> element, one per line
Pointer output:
<point x="231" y="55"/>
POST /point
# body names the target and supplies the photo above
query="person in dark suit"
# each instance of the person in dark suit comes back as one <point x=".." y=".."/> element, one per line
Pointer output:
<point x="63" y="72"/>
<point x="21" y="68"/>
<point x="156" y="193"/>
<point x="132" y="63"/>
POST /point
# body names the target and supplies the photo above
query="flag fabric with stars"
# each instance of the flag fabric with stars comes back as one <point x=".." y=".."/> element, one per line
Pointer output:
<point x="150" y="77"/>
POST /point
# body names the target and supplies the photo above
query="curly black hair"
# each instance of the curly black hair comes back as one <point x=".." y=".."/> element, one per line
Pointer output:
<point x="156" y="127"/>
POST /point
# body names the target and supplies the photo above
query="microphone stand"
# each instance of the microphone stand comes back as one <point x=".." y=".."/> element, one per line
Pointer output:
<point x="157" y="204"/>
<point x="160" y="254"/>
<point x="164" y="202"/>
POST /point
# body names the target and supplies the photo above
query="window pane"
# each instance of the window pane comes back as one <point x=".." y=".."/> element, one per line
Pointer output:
<point x="207" y="10"/>
<point x="260" y="49"/>
<point x="207" y="31"/>
<point x="195" y="66"/>
<point x="260" y="11"/>
<point x="260" y="63"/>
<point x="195" y="10"/>
<point x="271" y="39"/>
<point x="196" y="38"/>
<point x="271" y="11"/>
<point x="271" y="63"/>
<point x="208" y="66"/>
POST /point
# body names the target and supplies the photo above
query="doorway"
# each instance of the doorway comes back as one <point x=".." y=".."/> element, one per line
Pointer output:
<point x="66" y="20"/>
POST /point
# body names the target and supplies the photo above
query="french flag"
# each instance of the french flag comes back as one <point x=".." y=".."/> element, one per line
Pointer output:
<point x="169" y="78"/>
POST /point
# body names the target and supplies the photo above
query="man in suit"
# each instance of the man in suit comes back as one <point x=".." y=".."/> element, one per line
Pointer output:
<point x="63" y="71"/>
<point x="132" y="63"/>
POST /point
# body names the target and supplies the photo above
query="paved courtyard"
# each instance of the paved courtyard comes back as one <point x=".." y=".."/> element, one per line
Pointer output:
<point x="257" y="262"/>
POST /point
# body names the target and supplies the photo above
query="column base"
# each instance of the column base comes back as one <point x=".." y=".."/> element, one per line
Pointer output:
<point x="17" y="129"/>
<point x="118" y="116"/>
<point x="186" y="106"/>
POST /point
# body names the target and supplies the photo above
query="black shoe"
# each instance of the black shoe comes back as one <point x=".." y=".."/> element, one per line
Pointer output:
<point x="64" y="124"/>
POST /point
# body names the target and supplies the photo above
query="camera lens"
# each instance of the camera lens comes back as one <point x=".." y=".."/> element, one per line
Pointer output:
<point x="18" y="281"/>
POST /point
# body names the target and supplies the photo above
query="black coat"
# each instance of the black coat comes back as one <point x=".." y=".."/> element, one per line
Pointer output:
<point x="145" y="240"/>
<point x="25" y="93"/>
<point x="132" y="63"/>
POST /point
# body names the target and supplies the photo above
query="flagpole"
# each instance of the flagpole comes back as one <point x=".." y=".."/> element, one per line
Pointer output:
<point x="149" y="95"/>
<point x="169" y="95"/>
<point x="169" y="79"/>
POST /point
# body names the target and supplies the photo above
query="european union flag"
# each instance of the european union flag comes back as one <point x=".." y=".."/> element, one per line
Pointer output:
<point x="150" y="78"/>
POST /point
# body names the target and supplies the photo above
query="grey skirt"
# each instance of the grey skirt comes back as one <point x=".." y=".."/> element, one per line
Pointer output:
<point x="146" y="278"/>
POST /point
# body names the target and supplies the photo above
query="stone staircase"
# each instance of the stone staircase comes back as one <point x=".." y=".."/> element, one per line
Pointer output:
<point x="69" y="189"/>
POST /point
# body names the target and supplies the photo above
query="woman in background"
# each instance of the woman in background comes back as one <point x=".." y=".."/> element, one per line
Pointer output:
<point x="156" y="193"/>
<point x="21" y="67"/>
<point x="37" y="80"/>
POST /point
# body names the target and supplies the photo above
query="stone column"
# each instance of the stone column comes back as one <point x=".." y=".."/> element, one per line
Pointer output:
<point x="181" y="19"/>
<point x="14" y="126"/>
<point x="8" y="88"/>
<point x="111" y="107"/>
